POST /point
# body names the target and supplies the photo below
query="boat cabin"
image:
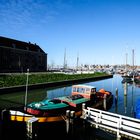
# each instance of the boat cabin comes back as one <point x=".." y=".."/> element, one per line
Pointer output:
<point x="84" y="90"/>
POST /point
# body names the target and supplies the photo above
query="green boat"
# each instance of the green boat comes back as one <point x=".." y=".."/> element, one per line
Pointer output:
<point x="74" y="101"/>
<point x="56" y="106"/>
<point x="47" y="107"/>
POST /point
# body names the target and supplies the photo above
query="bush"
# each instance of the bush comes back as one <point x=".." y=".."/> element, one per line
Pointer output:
<point x="20" y="79"/>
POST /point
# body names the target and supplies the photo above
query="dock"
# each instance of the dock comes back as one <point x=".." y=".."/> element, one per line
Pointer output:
<point x="116" y="124"/>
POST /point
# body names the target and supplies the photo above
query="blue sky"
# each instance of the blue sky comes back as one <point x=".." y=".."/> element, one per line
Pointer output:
<point x="99" y="31"/>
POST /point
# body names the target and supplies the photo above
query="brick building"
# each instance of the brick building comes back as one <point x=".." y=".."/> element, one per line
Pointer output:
<point x="17" y="56"/>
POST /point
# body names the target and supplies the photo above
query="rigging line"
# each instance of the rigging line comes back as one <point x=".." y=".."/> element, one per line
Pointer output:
<point x="64" y="117"/>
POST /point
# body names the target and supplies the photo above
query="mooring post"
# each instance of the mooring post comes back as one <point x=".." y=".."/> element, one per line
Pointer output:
<point x="83" y="115"/>
<point x="31" y="128"/>
<point x="72" y="117"/>
<point x="104" y="102"/>
<point x="5" y="115"/>
<point x="125" y="88"/>
<point x="5" y="120"/>
<point x="67" y="121"/>
<point x="83" y="107"/>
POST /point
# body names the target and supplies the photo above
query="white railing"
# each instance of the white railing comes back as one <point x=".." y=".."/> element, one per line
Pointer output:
<point x="121" y="125"/>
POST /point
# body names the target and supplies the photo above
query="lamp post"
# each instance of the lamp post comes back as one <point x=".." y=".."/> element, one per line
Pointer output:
<point x="26" y="89"/>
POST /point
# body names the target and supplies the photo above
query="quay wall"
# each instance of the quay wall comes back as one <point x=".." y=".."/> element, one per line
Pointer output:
<point x="51" y="84"/>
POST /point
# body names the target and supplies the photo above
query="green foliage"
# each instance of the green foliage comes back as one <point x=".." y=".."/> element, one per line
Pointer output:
<point x="20" y="79"/>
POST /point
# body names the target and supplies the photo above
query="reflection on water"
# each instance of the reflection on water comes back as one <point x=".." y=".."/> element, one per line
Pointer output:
<point x="132" y="92"/>
<point x="64" y="91"/>
<point x="127" y="96"/>
<point x="125" y="104"/>
<point x="132" y="98"/>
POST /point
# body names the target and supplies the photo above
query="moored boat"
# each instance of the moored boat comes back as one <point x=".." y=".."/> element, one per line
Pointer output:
<point x="90" y="92"/>
<point x="58" y="106"/>
<point x="137" y="110"/>
<point x="51" y="110"/>
<point x="127" y="79"/>
<point x="47" y="107"/>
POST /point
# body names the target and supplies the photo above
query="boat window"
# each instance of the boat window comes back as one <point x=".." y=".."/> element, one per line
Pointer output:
<point x="88" y="89"/>
<point x="74" y="89"/>
<point x="81" y="90"/>
<point x="93" y="90"/>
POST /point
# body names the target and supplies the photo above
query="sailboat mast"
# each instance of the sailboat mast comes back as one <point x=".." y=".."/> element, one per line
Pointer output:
<point x="133" y="59"/>
<point x="77" y="61"/>
<point x="64" y="59"/>
<point x="126" y="64"/>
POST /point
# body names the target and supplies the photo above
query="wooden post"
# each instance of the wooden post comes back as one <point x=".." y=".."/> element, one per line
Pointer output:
<point x="72" y="117"/>
<point x="5" y="115"/>
<point x="5" y="120"/>
<point x="83" y="116"/>
<point x="125" y="88"/>
<point x="104" y="102"/>
<point x="67" y="121"/>
<point x="31" y="128"/>
<point x="83" y="107"/>
<point x="125" y="104"/>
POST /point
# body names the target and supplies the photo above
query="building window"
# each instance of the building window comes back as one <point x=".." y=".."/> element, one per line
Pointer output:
<point x="14" y="45"/>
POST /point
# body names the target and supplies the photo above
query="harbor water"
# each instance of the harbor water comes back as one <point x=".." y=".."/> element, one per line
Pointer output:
<point x="128" y="94"/>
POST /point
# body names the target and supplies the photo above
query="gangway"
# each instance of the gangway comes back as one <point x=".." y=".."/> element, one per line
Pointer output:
<point x="117" y="124"/>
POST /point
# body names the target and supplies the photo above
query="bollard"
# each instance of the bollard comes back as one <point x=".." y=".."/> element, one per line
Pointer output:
<point x="104" y="102"/>
<point x="5" y="115"/>
<point x="5" y="122"/>
<point x="31" y="128"/>
<point x="83" y="107"/>
<point x="83" y="115"/>
<point x="72" y="117"/>
<point x="67" y="121"/>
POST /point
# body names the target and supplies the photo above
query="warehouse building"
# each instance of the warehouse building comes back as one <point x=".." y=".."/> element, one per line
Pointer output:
<point x="18" y="56"/>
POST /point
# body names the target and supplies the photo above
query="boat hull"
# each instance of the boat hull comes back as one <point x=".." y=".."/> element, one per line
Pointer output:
<point x="23" y="117"/>
<point x="46" y="113"/>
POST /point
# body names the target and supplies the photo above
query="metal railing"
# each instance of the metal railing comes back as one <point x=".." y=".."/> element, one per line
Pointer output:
<point x="114" y="123"/>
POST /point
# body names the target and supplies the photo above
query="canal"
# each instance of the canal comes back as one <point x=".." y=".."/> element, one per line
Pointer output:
<point x="128" y="94"/>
